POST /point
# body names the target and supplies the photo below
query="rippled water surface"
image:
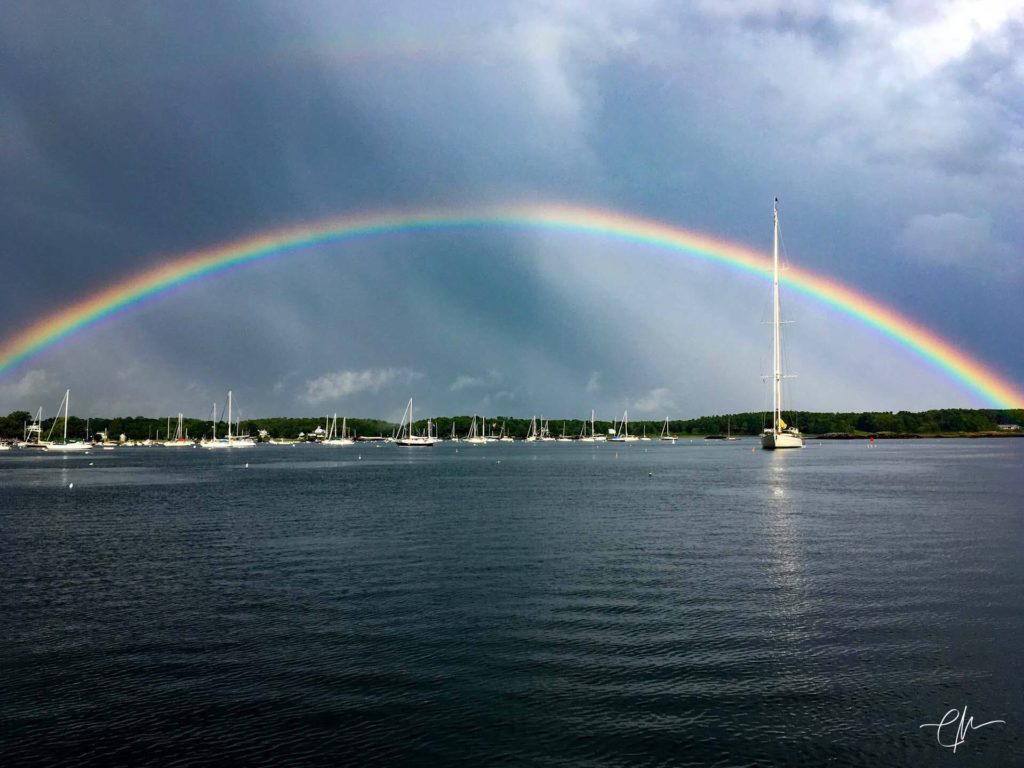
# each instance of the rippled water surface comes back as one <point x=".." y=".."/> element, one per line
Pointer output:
<point x="650" y="604"/>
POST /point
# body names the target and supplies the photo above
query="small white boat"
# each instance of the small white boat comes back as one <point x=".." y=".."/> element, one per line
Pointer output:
<point x="593" y="436"/>
<point x="665" y="434"/>
<point x="532" y="435"/>
<point x="622" y="433"/>
<point x="504" y="437"/>
<point x="728" y="431"/>
<point x="180" y="439"/>
<point x="474" y="437"/>
<point x="545" y="431"/>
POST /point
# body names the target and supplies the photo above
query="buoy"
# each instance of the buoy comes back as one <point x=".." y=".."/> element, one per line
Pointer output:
<point x="246" y="465"/>
<point x="90" y="463"/>
<point x="360" y="458"/>
<point x="70" y="486"/>
<point x="650" y="474"/>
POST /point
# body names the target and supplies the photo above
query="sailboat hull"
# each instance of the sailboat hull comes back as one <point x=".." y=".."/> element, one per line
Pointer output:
<point x="775" y="441"/>
<point x="69" y="447"/>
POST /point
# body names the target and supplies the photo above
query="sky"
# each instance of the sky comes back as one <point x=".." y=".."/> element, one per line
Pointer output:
<point x="130" y="134"/>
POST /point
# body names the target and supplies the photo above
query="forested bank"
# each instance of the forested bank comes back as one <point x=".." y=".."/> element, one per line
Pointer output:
<point x="934" y="422"/>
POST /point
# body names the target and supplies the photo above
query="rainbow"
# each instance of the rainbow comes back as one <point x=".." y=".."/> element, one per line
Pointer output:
<point x="153" y="282"/>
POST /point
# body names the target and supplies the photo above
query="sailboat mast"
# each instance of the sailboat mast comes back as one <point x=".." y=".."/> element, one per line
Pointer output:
<point x="67" y="410"/>
<point x="229" y="415"/>
<point x="776" y="325"/>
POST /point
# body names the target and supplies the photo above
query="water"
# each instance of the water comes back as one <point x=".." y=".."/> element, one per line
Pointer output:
<point x="650" y="604"/>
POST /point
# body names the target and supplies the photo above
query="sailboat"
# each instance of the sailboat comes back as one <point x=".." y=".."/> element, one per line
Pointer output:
<point x="64" y="446"/>
<point x="34" y="433"/>
<point x="728" y="431"/>
<point x="779" y="434"/>
<point x="332" y="434"/>
<point x="232" y="440"/>
<point x="532" y="435"/>
<point x="404" y="435"/>
<point x="665" y="434"/>
<point x="474" y="437"/>
<point x="592" y="437"/>
<point x="180" y="438"/>
<point x="622" y="434"/>
<point x="545" y="431"/>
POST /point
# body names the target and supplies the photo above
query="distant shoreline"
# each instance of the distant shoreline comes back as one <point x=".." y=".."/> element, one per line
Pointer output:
<point x="868" y="425"/>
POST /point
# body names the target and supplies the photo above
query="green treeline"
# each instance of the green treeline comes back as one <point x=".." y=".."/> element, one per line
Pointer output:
<point x="143" y="428"/>
<point x="948" y="420"/>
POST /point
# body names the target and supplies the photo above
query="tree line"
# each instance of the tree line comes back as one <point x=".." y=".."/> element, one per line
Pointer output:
<point x="946" y="420"/>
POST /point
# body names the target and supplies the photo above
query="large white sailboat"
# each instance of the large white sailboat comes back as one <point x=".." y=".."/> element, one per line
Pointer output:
<point x="405" y="437"/>
<point x="232" y="440"/>
<point x="332" y="434"/>
<point x="779" y="434"/>
<point x="64" y="446"/>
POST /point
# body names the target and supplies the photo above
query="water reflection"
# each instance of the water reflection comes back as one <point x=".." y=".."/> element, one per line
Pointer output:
<point x="789" y="605"/>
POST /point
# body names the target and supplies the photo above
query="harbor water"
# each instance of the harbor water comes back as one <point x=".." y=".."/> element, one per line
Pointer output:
<point x="703" y="603"/>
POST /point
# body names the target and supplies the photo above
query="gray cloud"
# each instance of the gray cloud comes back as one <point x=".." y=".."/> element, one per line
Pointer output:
<point x="953" y="239"/>
<point x="129" y="134"/>
<point x="342" y="384"/>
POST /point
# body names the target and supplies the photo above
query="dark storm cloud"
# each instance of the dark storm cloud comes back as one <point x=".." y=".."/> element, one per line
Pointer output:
<point x="133" y="132"/>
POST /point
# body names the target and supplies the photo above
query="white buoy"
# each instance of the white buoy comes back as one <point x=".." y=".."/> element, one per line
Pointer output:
<point x="70" y="486"/>
<point x="246" y="465"/>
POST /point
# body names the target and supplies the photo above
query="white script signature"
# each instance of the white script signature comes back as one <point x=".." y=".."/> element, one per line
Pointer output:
<point x="963" y="725"/>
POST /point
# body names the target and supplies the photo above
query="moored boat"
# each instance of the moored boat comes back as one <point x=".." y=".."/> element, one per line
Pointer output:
<point x="779" y="434"/>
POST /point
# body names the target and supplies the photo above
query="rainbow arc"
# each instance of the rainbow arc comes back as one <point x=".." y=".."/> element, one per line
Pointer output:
<point x="122" y="296"/>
